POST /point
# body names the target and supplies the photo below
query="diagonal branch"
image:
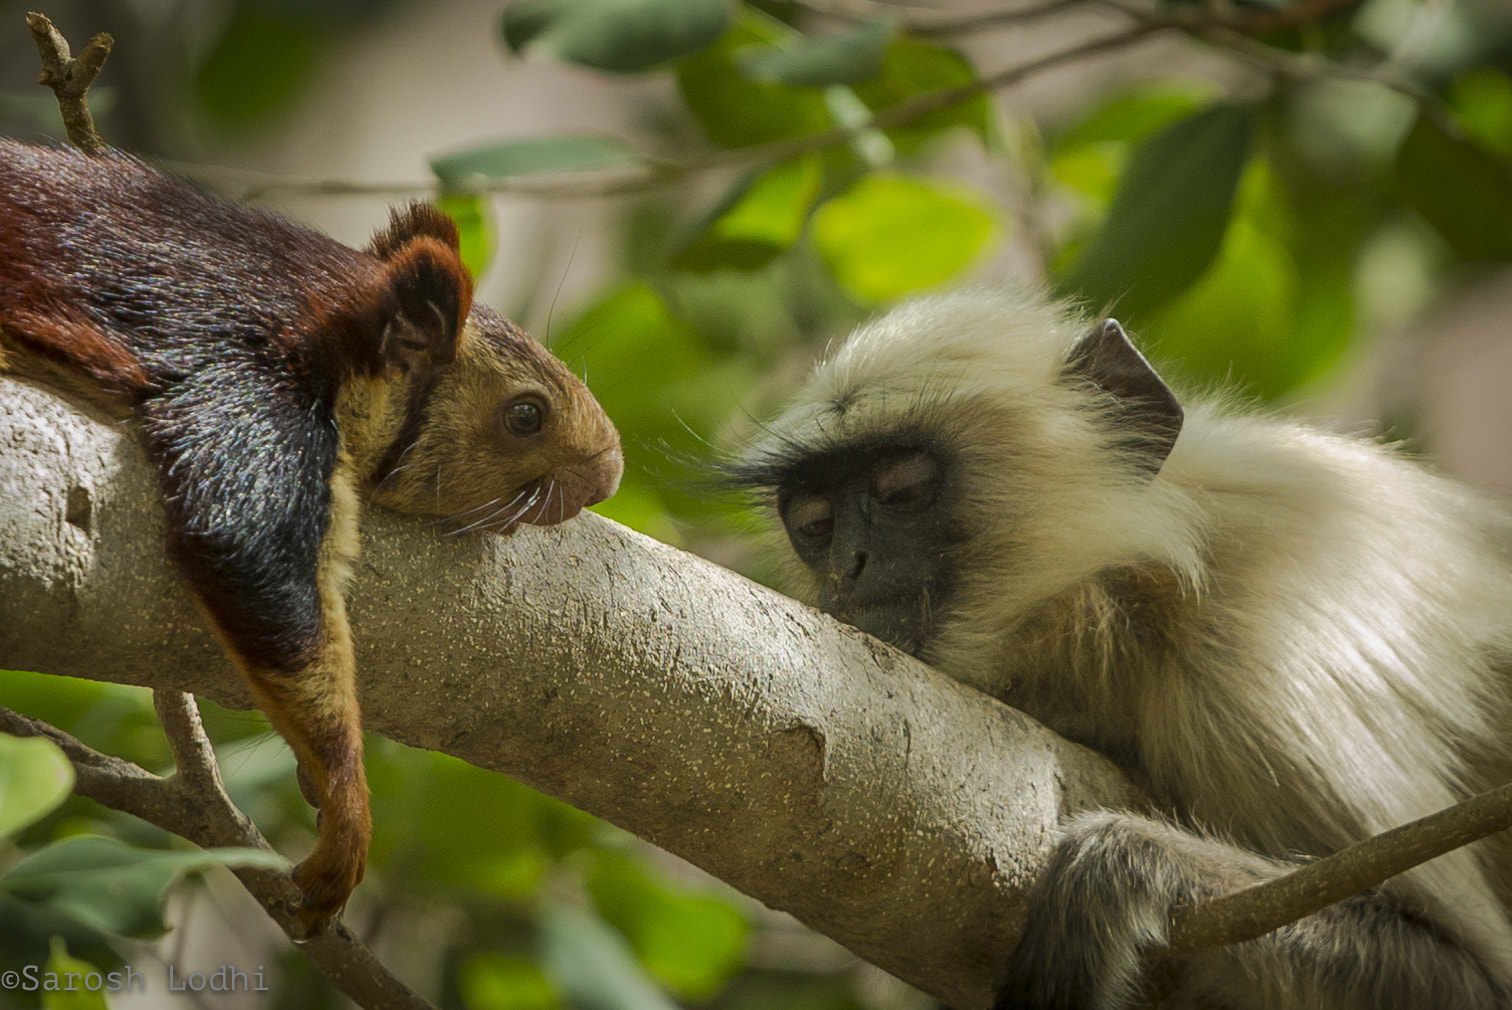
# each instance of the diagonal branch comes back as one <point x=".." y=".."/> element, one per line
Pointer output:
<point x="900" y="813"/>
<point x="653" y="174"/>
<point x="193" y="805"/>
<point x="1236" y="31"/>
<point x="1255" y="911"/>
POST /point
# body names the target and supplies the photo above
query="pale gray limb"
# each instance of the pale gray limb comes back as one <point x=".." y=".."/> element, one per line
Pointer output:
<point x="817" y="770"/>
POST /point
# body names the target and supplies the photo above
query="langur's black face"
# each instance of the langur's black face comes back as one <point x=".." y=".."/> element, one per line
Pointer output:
<point x="895" y="460"/>
<point x="872" y="527"/>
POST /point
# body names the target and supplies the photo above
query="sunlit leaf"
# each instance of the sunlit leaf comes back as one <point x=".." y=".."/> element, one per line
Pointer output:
<point x="1482" y="102"/>
<point x="1235" y="324"/>
<point x="593" y="965"/>
<point x="81" y="984"/>
<point x="891" y="234"/>
<point x="1459" y="188"/>
<point x="108" y="885"/>
<point x="911" y="68"/>
<point x="757" y="221"/>
<point x="733" y="109"/>
<point x="1131" y="116"/>
<point x="654" y="374"/>
<point x="693" y="943"/>
<point x="1327" y="235"/>
<point x="430" y="809"/>
<point x="1089" y="169"/>
<point x="474" y="229"/>
<point x="1167" y="219"/>
<point x="35" y="777"/>
<point x="495" y="981"/>
<point x="817" y="61"/>
<point x="568" y="152"/>
<point x="1275" y="309"/>
<point x="624" y="36"/>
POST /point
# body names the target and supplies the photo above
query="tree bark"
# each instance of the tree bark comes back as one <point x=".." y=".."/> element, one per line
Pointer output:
<point x="801" y="761"/>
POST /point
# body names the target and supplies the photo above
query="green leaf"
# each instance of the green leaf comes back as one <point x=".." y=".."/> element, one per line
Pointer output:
<point x="692" y="943"/>
<point x="256" y="67"/>
<point x="430" y="810"/>
<point x="494" y="981"/>
<point x="77" y="989"/>
<point x="1482" y="102"/>
<point x="35" y="777"/>
<point x="891" y="234"/>
<point x="622" y="36"/>
<point x="568" y="152"/>
<point x="113" y="887"/>
<point x="1232" y="324"/>
<point x="736" y="111"/>
<point x="1274" y="310"/>
<point x="1131" y="116"/>
<point x="820" y="61"/>
<point x="1459" y="188"/>
<point x="1089" y="157"/>
<point x="910" y="68"/>
<point x="474" y="229"/>
<point x="757" y="221"/>
<point x="653" y="374"/>
<point x="1167" y="219"/>
<point x="593" y="965"/>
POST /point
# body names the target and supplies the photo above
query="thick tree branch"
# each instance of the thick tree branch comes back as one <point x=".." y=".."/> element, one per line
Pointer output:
<point x="827" y="775"/>
<point x="193" y="805"/>
<point x="883" y="804"/>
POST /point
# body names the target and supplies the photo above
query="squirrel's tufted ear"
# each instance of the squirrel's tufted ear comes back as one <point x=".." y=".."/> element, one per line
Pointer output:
<point x="430" y="287"/>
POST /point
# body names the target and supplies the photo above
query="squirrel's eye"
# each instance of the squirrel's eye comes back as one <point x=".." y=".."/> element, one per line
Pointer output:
<point x="523" y="417"/>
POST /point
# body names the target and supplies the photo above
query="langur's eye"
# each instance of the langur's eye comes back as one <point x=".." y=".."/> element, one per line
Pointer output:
<point x="810" y="516"/>
<point x="904" y="481"/>
<point x="522" y="417"/>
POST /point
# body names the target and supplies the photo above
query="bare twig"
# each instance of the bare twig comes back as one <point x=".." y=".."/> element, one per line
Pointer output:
<point x="70" y="78"/>
<point x="1255" y="911"/>
<point x="193" y="805"/>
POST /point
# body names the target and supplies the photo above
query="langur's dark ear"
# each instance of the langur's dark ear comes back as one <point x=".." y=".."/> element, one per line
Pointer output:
<point x="1107" y="359"/>
<point x="431" y="289"/>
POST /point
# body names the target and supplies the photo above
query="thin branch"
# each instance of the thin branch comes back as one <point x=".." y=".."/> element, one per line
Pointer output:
<point x="652" y="174"/>
<point x="1233" y="31"/>
<point x="1255" y="911"/>
<point x="942" y="26"/>
<point x="70" y="78"/>
<point x="193" y="755"/>
<point x="193" y="805"/>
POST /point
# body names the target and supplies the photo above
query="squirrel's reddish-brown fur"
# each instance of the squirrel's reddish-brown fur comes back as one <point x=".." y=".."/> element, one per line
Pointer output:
<point x="277" y="377"/>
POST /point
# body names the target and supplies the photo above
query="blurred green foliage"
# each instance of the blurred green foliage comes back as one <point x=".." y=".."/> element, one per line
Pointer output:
<point x="814" y="182"/>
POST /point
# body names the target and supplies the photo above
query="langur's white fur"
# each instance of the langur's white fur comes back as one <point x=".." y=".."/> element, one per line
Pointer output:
<point x="1334" y="648"/>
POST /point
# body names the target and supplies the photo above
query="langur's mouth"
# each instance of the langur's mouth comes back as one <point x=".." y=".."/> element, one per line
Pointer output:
<point x="904" y="625"/>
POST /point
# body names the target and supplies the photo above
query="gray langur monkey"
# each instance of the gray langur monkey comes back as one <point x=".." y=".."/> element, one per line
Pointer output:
<point x="1292" y="640"/>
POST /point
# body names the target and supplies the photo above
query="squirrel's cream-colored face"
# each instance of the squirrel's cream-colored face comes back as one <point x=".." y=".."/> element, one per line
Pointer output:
<point x="502" y="435"/>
